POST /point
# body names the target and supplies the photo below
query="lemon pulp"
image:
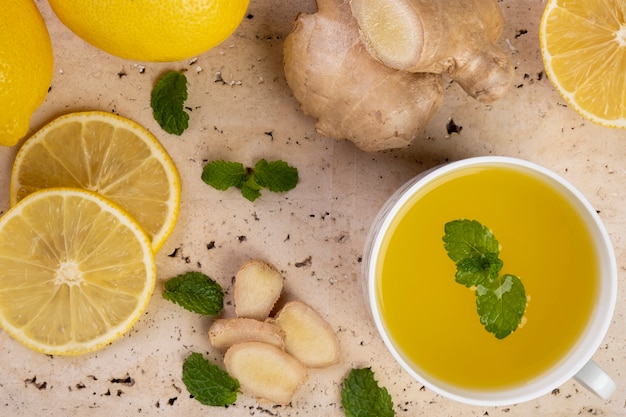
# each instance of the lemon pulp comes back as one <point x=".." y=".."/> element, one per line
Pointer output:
<point x="77" y="271"/>
<point x="583" y="45"/>
<point x="108" y="154"/>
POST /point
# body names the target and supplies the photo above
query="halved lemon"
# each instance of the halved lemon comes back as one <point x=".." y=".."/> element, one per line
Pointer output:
<point x="583" y="45"/>
<point x="76" y="271"/>
<point x="108" y="154"/>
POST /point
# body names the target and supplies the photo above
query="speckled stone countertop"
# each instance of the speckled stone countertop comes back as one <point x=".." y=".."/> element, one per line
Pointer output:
<point x="241" y="109"/>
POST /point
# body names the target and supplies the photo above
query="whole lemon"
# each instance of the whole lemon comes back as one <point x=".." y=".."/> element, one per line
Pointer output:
<point x="152" y="30"/>
<point x="26" y="67"/>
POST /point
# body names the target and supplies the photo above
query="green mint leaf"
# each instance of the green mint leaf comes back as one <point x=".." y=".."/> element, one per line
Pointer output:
<point x="208" y="383"/>
<point x="250" y="189"/>
<point x="195" y="292"/>
<point x="500" y="300"/>
<point x="276" y="176"/>
<point x="361" y="396"/>
<point x="473" y="271"/>
<point x="167" y="101"/>
<point x="501" y="305"/>
<point x="222" y="175"/>
<point x="467" y="239"/>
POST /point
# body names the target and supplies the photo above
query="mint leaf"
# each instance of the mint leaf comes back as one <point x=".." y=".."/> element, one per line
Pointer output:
<point x="276" y="176"/>
<point x="500" y="300"/>
<point x="468" y="239"/>
<point x="501" y="305"/>
<point x="361" y="396"/>
<point x="208" y="383"/>
<point x="473" y="271"/>
<point x="222" y="175"/>
<point x="195" y="292"/>
<point x="250" y="189"/>
<point x="167" y="101"/>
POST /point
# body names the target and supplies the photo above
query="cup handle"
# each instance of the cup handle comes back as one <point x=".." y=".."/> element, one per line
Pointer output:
<point x="592" y="377"/>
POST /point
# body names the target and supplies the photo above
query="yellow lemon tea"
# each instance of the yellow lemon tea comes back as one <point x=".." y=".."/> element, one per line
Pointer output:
<point x="433" y="320"/>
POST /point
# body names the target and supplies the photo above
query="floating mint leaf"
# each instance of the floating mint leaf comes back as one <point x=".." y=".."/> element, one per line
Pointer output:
<point x="208" y="383"/>
<point x="500" y="300"/>
<point x="361" y="396"/>
<point x="468" y="239"/>
<point x="501" y="305"/>
<point x="167" y="101"/>
<point x="473" y="271"/>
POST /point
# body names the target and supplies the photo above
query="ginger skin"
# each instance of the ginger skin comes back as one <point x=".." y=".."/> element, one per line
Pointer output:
<point x="352" y="95"/>
<point x="451" y="37"/>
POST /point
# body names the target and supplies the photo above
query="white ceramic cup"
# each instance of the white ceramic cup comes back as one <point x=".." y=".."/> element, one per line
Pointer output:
<point x="577" y="363"/>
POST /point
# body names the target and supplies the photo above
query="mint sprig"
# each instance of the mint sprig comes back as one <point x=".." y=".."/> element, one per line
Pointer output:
<point x="168" y="100"/>
<point x="195" y="292"/>
<point x="208" y="383"/>
<point x="276" y="176"/>
<point x="500" y="299"/>
<point x="361" y="396"/>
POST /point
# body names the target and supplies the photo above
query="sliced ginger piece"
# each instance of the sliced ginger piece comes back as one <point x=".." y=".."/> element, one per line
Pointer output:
<point x="265" y="371"/>
<point x="227" y="332"/>
<point x="257" y="288"/>
<point x="456" y="38"/>
<point x="308" y="337"/>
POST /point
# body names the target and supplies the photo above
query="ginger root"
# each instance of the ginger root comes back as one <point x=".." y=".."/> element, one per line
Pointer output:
<point x="224" y="333"/>
<point x="352" y="95"/>
<point x="451" y="37"/>
<point x="370" y="70"/>
<point x="258" y="286"/>
<point x="308" y="337"/>
<point x="270" y="356"/>
<point x="265" y="371"/>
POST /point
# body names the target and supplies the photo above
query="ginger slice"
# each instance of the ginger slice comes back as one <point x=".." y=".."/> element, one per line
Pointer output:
<point x="308" y="337"/>
<point x="226" y="332"/>
<point x="265" y="371"/>
<point x="257" y="288"/>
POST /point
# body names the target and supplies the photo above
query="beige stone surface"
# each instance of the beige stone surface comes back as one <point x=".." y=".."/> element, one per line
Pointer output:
<point x="315" y="233"/>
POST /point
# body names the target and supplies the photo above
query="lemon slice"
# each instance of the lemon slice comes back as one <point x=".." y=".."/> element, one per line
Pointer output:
<point x="583" y="45"/>
<point x="77" y="271"/>
<point x="110" y="155"/>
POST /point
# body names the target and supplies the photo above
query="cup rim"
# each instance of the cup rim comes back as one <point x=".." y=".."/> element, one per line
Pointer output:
<point x="577" y="356"/>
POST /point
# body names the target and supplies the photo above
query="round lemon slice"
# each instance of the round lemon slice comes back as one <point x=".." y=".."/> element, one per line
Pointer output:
<point x="583" y="45"/>
<point x="110" y="155"/>
<point x="76" y="271"/>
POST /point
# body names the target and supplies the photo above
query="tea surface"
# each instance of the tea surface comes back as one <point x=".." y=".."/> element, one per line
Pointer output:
<point x="434" y="320"/>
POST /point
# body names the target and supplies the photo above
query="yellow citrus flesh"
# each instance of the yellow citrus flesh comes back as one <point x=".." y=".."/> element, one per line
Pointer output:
<point x="110" y="155"/>
<point x="26" y="67"/>
<point x="152" y="30"/>
<point x="583" y="44"/>
<point x="76" y="271"/>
